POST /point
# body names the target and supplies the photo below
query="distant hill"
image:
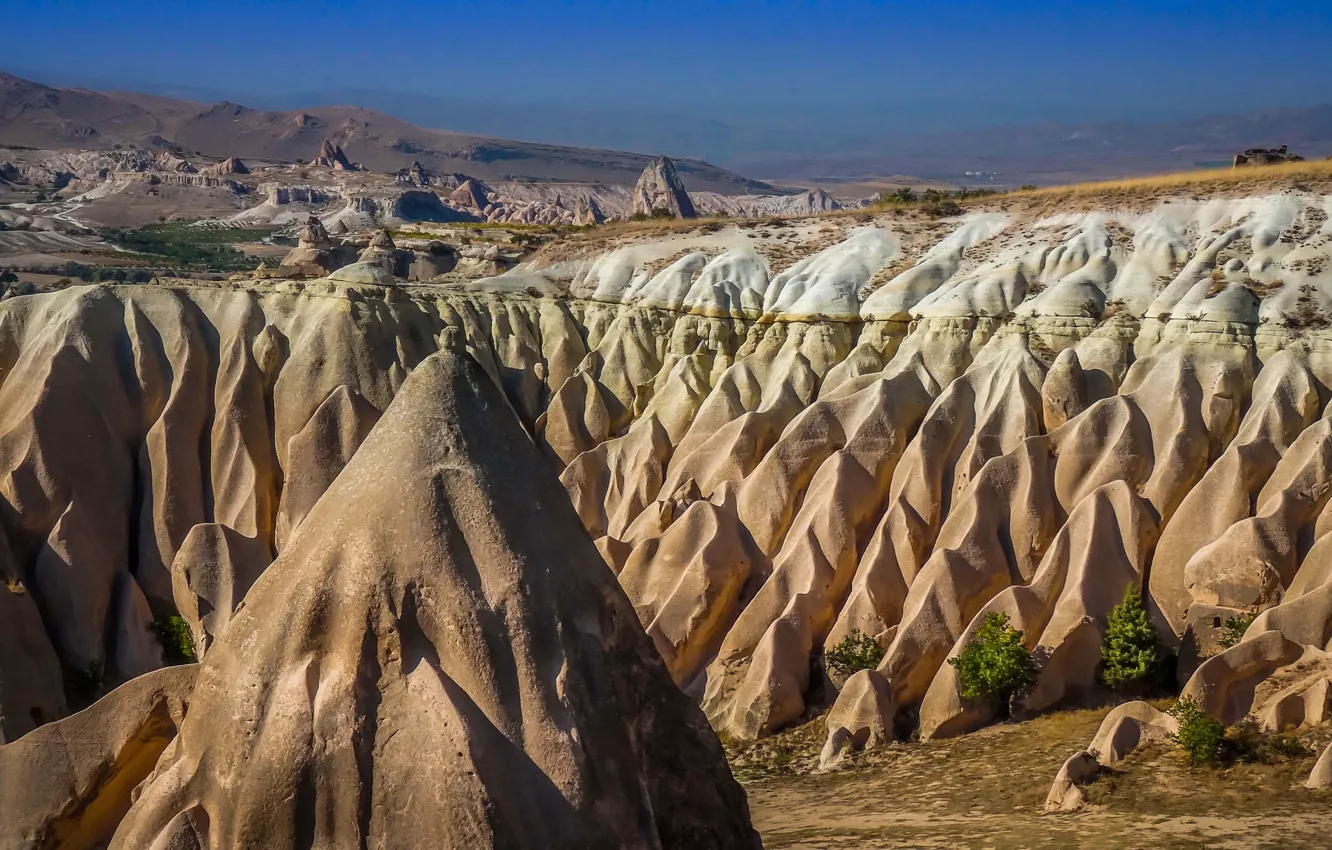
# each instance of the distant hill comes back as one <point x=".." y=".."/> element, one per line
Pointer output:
<point x="40" y="116"/>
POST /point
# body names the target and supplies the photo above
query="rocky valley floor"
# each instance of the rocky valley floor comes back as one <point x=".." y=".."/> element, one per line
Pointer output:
<point x="986" y="790"/>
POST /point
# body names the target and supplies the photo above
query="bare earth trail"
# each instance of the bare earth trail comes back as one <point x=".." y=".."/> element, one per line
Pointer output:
<point x="986" y="790"/>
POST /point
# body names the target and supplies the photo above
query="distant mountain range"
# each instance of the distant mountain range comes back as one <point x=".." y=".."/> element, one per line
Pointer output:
<point x="386" y="131"/>
<point x="40" y="116"/>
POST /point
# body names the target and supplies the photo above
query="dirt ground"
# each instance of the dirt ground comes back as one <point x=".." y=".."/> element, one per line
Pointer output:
<point x="986" y="790"/>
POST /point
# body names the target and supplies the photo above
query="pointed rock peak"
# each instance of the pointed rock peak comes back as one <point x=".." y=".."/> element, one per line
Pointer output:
<point x="470" y="194"/>
<point x="440" y="629"/>
<point x="384" y="241"/>
<point x="659" y="191"/>
<point x="586" y="211"/>
<point x="331" y="156"/>
<point x="230" y="165"/>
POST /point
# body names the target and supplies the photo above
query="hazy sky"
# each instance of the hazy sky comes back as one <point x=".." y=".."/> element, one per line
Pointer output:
<point x="1006" y="60"/>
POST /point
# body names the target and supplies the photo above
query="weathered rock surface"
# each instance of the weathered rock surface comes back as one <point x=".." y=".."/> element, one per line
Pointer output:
<point x="439" y="630"/>
<point x="659" y="188"/>
<point x="331" y="156"/>
<point x="69" y="783"/>
<point x="1123" y="730"/>
<point x="895" y="431"/>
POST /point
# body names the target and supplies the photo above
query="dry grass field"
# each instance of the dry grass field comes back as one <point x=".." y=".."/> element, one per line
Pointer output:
<point x="987" y="789"/>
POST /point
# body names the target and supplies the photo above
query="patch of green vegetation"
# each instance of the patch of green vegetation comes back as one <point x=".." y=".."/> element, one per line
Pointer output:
<point x="1200" y="735"/>
<point x="176" y="639"/>
<point x="8" y="277"/>
<point x="657" y="213"/>
<point x="994" y="666"/>
<point x="1133" y="657"/>
<point x="855" y="652"/>
<point x="191" y="247"/>
<point x="933" y="202"/>
<point x="1246" y="741"/>
<point x="1232" y="631"/>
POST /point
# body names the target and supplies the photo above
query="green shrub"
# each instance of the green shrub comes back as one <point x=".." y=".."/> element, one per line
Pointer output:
<point x="1232" y="632"/>
<point x="1247" y="741"/>
<point x="904" y="195"/>
<point x="855" y="652"/>
<point x="8" y="277"/>
<point x="177" y="641"/>
<point x="1200" y="735"/>
<point x="1133" y="658"/>
<point x="1027" y="187"/>
<point x="994" y="665"/>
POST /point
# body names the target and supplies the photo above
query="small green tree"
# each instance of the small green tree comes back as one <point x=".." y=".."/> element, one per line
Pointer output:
<point x="994" y="665"/>
<point x="1132" y="655"/>
<point x="1200" y="735"/>
<point x="853" y="653"/>
<point x="1232" y="632"/>
<point x="8" y="277"/>
<point x="177" y="641"/>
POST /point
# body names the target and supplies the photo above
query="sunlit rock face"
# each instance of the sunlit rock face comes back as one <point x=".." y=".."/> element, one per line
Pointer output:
<point x="775" y="436"/>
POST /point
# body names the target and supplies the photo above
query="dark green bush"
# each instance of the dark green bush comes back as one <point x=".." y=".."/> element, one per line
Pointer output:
<point x="855" y="652"/>
<point x="177" y="641"/>
<point x="1232" y="632"/>
<point x="1133" y="658"/>
<point x="994" y="666"/>
<point x="1200" y="735"/>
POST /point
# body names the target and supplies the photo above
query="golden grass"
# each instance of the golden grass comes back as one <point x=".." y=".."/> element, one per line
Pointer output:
<point x="1211" y="178"/>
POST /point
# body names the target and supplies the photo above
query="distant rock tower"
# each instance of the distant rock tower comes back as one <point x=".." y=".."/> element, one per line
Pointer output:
<point x="230" y="165"/>
<point x="331" y="156"/>
<point x="586" y="212"/>
<point x="470" y="195"/>
<point x="659" y="188"/>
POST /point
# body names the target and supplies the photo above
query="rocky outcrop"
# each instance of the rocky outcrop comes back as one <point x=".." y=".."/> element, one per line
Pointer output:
<point x="587" y="213"/>
<point x="331" y="156"/>
<point x="1123" y="730"/>
<point x="470" y="195"/>
<point x="69" y="783"/>
<point x="1265" y="156"/>
<point x="439" y="629"/>
<point x="889" y="430"/>
<point x="230" y="165"/>
<point x="659" y="189"/>
<point x="312" y="256"/>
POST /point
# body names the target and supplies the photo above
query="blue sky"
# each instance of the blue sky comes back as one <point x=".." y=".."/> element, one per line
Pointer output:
<point x="1015" y="60"/>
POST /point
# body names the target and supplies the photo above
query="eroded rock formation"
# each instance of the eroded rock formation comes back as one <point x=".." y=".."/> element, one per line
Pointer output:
<point x="893" y="432"/>
<point x="659" y="188"/>
<point x="439" y="630"/>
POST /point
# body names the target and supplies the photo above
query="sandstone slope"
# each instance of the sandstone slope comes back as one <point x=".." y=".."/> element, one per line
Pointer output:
<point x="776" y="434"/>
<point x="439" y="657"/>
